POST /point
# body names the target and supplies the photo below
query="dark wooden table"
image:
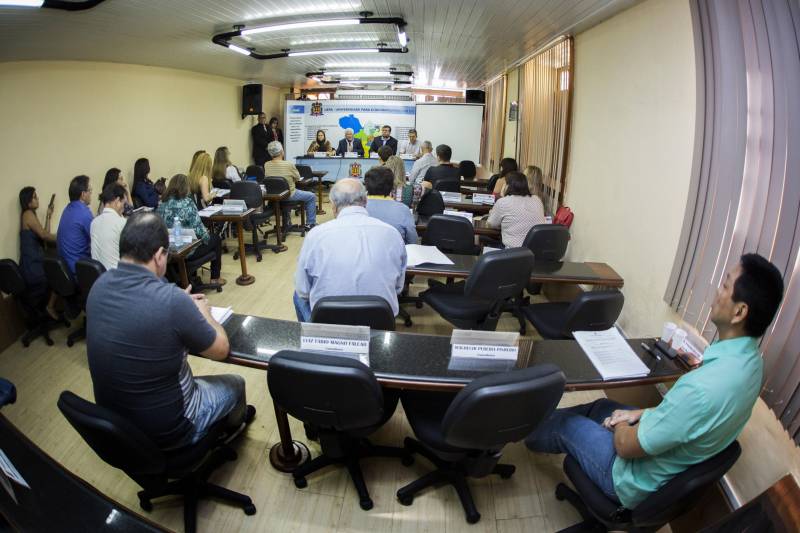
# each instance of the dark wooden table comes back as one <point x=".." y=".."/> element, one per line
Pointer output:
<point x="179" y="254"/>
<point x="468" y="206"/>
<point x="588" y="273"/>
<point x="482" y="185"/>
<point x="420" y="362"/>
<point x="275" y="202"/>
<point x="238" y="219"/>
<point x="479" y="226"/>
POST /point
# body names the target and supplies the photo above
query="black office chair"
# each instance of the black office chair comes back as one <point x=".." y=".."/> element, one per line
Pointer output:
<point x="343" y="400"/>
<point x="669" y="502"/>
<point x="492" y="182"/>
<point x="276" y="185"/>
<point x="431" y="203"/>
<point x="467" y="169"/>
<point x="372" y="311"/>
<point x="224" y="183"/>
<point x="31" y="303"/>
<point x="60" y="281"/>
<point x="463" y="436"/>
<point x="255" y="173"/>
<point x="590" y="311"/>
<point x="306" y="172"/>
<point x="451" y="234"/>
<point x="477" y="304"/>
<point x="447" y="186"/>
<point x="87" y="271"/>
<point x="251" y="193"/>
<point x="183" y="472"/>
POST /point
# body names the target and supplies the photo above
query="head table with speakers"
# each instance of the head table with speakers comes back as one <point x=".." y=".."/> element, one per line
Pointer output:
<point x="340" y="167"/>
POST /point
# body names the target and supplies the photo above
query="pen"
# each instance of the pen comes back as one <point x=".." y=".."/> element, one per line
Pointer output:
<point x="651" y="352"/>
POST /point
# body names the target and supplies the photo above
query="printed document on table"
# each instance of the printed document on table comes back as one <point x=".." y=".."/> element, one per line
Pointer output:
<point x="419" y="254"/>
<point x="611" y="354"/>
<point x="221" y="314"/>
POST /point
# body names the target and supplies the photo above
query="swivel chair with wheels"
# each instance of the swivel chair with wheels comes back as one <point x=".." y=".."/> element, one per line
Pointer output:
<point x="276" y="185"/>
<point x="184" y="471"/>
<point x="372" y="311"/>
<point x="464" y="435"/>
<point x="60" y="281"/>
<point x="673" y="499"/>
<point x="451" y="234"/>
<point x="590" y="311"/>
<point x="251" y="193"/>
<point x="87" y="271"/>
<point x="37" y="322"/>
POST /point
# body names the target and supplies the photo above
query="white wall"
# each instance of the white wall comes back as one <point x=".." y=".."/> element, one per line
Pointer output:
<point x="630" y="158"/>
<point x="61" y="119"/>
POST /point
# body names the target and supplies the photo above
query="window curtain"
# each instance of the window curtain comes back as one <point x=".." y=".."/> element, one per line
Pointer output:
<point x="745" y="187"/>
<point x="494" y="125"/>
<point x="544" y="106"/>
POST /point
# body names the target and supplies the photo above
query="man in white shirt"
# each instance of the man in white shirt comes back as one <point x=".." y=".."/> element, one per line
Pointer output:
<point x="107" y="226"/>
<point x="352" y="255"/>
<point x="411" y="146"/>
<point x="421" y="165"/>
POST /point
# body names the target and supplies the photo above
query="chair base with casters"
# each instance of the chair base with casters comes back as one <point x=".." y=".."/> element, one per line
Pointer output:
<point x="193" y="264"/>
<point x="452" y="473"/>
<point x="259" y="244"/>
<point x="288" y="227"/>
<point x="77" y="335"/>
<point x="352" y="452"/>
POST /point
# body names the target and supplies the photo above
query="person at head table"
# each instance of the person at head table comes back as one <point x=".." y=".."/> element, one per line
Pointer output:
<point x="385" y="139"/>
<point x="350" y="144"/>
<point x="630" y="453"/>
<point x="411" y="146"/>
<point x="381" y="204"/>
<point x="139" y="332"/>
<point x="319" y="144"/>
<point x="341" y="257"/>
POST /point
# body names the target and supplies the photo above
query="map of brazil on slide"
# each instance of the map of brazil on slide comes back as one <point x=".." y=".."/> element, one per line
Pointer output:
<point x="364" y="136"/>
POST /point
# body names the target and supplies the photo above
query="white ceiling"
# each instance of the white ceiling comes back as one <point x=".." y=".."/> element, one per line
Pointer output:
<point x="465" y="41"/>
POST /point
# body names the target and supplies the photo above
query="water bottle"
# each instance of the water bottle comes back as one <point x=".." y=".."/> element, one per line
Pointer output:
<point x="176" y="231"/>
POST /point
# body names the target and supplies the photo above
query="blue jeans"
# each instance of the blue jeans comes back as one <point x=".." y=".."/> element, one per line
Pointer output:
<point x="302" y="307"/>
<point x="578" y="431"/>
<point x="310" y="200"/>
<point x="219" y="396"/>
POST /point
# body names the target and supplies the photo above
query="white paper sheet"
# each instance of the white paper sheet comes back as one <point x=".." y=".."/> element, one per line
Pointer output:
<point x="462" y="214"/>
<point x="610" y="354"/>
<point x="221" y="192"/>
<point x="221" y="314"/>
<point x="487" y="249"/>
<point x="11" y="471"/>
<point x="419" y="254"/>
<point x="210" y="210"/>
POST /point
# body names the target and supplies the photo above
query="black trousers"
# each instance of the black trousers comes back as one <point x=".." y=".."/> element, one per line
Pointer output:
<point x="215" y="245"/>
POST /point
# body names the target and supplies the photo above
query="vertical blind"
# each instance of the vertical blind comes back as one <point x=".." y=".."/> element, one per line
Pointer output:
<point x="494" y="125"/>
<point x="745" y="186"/>
<point x="544" y="103"/>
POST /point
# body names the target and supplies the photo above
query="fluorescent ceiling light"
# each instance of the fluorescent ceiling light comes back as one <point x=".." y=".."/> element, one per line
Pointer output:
<point x="376" y="64"/>
<point x="402" y="37"/>
<point x="356" y="74"/>
<point x="21" y="3"/>
<point x="350" y="39"/>
<point x="371" y="80"/>
<point x="345" y="51"/>
<point x="239" y="49"/>
<point x="299" y="25"/>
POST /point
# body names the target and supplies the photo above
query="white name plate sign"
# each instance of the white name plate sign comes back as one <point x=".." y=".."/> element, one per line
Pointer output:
<point x="485" y="199"/>
<point x="336" y="339"/>
<point x="483" y="350"/>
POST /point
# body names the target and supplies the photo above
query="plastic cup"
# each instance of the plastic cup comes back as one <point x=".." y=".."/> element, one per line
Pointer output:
<point x="678" y="338"/>
<point x="668" y="331"/>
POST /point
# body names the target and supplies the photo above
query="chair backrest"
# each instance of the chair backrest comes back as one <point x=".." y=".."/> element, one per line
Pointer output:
<point x="221" y="183"/>
<point x="447" y="186"/>
<point x="58" y="277"/>
<point x="275" y="184"/>
<point x="684" y="490"/>
<point x="492" y="182"/>
<point x="496" y="409"/>
<point x="450" y="234"/>
<point x="467" y="168"/>
<point x="593" y="311"/>
<point x="305" y="172"/>
<point x="500" y="275"/>
<point x="430" y="204"/>
<point x="338" y="393"/>
<point x="86" y="272"/>
<point x="11" y="280"/>
<point x="255" y="173"/>
<point x="250" y="192"/>
<point x="116" y="440"/>
<point x="548" y="242"/>
<point x="372" y="311"/>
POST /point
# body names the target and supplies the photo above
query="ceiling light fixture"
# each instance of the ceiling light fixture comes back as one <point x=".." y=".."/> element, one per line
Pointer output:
<point x="401" y="36"/>
<point x="21" y="3"/>
<point x="353" y="73"/>
<point x="239" y="49"/>
<point x="341" y="51"/>
<point x="376" y="64"/>
<point x="52" y="4"/>
<point x="305" y="24"/>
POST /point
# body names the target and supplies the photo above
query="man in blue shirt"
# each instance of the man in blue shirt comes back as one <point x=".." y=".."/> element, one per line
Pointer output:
<point x="380" y="184"/>
<point x="353" y="255"/>
<point x="631" y="453"/>
<point x="75" y="227"/>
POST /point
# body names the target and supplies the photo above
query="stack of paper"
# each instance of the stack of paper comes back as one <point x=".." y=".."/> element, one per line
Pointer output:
<point x="611" y="354"/>
<point x="210" y="210"/>
<point x="419" y="254"/>
<point x="221" y="314"/>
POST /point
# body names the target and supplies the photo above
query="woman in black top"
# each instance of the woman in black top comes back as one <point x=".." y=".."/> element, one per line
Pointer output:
<point x="144" y="192"/>
<point x="32" y="237"/>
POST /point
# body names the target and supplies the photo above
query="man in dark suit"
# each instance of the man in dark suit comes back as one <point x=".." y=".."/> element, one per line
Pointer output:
<point x="445" y="176"/>
<point x="261" y="138"/>
<point x="350" y="144"/>
<point x="385" y="139"/>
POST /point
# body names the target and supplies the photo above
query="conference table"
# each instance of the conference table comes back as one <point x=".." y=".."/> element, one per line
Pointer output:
<point x="179" y="254"/>
<point x="422" y="362"/>
<point x="588" y="273"/>
<point x="339" y="167"/>
<point x="480" y="227"/>
<point x="467" y="205"/>
<point x="275" y="202"/>
<point x="237" y="218"/>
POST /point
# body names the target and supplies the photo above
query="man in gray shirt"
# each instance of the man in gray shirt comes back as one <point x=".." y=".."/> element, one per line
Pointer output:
<point x="139" y="331"/>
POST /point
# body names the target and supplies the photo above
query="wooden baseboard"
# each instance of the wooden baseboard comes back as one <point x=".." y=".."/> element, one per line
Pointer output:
<point x="13" y="325"/>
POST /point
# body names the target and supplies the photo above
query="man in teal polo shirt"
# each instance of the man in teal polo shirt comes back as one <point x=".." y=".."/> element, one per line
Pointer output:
<point x="630" y="453"/>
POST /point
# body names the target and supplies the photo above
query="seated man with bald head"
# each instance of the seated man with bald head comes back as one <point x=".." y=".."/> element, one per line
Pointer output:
<point x="352" y="255"/>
